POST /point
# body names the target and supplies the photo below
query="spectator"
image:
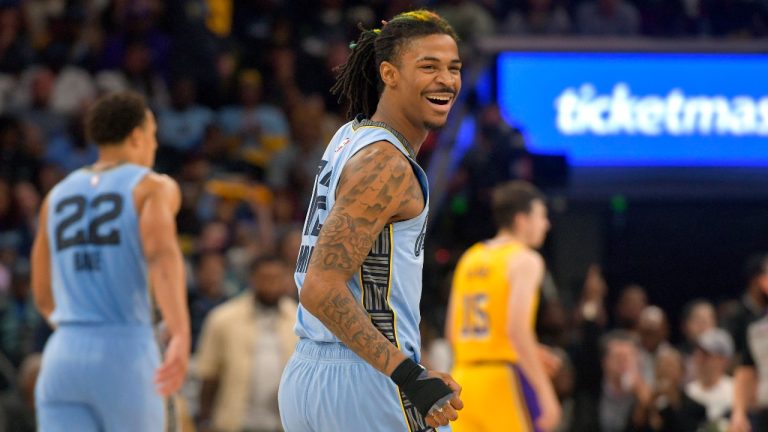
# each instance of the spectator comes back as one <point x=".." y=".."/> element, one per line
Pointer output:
<point x="72" y="150"/>
<point x="607" y="18"/>
<point x="668" y="408"/>
<point x="631" y="303"/>
<point x="698" y="316"/>
<point x="257" y="130"/>
<point x="244" y="347"/>
<point x="538" y="17"/>
<point x="17" y="408"/>
<point x="622" y="382"/>
<point x="712" y="387"/>
<point x="734" y="18"/>
<point x="136" y="73"/>
<point x="752" y="304"/>
<point x="34" y="98"/>
<point x="653" y="330"/>
<point x="750" y="396"/>
<point x="12" y="236"/>
<point x="606" y="397"/>
<point x="469" y="19"/>
<point x="18" y="316"/>
<point x="288" y="245"/>
<point x="294" y="168"/>
<point x="181" y="127"/>
<point x="208" y="290"/>
<point x="661" y="17"/>
<point x="15" y="51"/>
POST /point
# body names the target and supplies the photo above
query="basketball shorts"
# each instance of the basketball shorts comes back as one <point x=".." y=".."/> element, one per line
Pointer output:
<point x="327" y="388"/>
<point x="497" y="397"/>
<point x="99" y="378"/>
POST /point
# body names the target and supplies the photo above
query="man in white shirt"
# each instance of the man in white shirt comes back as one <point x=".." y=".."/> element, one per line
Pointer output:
<point x="712" y="386"/>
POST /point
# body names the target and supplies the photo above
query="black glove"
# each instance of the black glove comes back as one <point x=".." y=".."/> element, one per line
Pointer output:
<point x="424" y="392"/>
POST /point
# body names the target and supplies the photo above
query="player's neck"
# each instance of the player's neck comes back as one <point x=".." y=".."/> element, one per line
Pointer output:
<point x="110" y="157"/>
<point x="387" y="113"/>
<point x="506" y="236"/>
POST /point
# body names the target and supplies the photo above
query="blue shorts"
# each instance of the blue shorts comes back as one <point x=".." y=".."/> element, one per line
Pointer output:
<point x="99" y="378"/>
<point x="327" y="387"/>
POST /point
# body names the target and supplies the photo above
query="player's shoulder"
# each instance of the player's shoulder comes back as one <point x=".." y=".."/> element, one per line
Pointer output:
<point x="384" y="154"/>
<point x="162" y="182"/>
<point x="528" y="258"/>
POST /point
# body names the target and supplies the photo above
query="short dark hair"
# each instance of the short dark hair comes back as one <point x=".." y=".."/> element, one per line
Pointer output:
<point x="358" y="82"/>
<point x="757" y="265"/>
<point x="510" y="198"/>
<point x="262" y="260"/>
<point x="112" y="118"/>
<point x="689" y="307"/>
<point x="624" y="336"/>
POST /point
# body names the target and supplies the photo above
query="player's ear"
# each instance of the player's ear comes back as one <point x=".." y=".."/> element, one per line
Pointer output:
<point x="389" y="74"/>
<point x="135" y="137"/>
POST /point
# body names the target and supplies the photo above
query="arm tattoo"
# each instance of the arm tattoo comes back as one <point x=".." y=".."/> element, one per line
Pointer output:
<point x="348" y="320"/>
<point x="369" y="190"/>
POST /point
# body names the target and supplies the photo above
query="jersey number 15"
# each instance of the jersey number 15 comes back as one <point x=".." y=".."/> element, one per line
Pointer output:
<point x="475" y="322"/>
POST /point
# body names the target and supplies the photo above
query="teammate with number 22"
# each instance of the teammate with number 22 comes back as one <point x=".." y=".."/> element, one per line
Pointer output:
<point x="107" y="232"/>
<point x="359" y="270"/>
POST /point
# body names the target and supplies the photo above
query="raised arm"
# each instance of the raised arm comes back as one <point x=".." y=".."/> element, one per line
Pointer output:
<point x="376" y="188"/>
<point x="41" y="266"/>
<point x="165" y="266"/>
<point x="526" y="273"/>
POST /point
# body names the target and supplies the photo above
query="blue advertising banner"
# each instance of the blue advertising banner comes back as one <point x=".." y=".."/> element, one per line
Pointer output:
<point x="639" y="109"/>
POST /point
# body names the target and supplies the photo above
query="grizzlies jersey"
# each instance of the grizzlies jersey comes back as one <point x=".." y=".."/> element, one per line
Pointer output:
<point x="97" y="263"/>
<point x="388" y="284"/>
<point x="479" y="301"/>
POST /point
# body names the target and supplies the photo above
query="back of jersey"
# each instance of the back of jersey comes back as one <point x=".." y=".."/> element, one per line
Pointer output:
<point x="98" y="270"/>
<point x="480" y="303"/>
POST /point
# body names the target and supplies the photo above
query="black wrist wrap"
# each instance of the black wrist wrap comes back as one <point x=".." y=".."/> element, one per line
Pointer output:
<point x="423" y="391"/>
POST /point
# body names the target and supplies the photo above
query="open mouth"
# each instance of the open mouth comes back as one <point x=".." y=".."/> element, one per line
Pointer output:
<point x="440" y="100"/>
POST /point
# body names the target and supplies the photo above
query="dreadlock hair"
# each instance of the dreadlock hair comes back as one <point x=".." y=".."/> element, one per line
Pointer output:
<point x="358" y="79"/>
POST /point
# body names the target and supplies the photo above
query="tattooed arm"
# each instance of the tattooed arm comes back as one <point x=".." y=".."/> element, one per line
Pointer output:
<point x="376" y="188"/>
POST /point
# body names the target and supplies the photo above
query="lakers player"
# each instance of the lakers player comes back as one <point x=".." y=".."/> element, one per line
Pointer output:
<point x="491" y="321"/>
<point x="106" y="232"/>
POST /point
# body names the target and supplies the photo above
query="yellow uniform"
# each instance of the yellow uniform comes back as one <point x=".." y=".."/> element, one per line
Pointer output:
<point x="496" y="395"/>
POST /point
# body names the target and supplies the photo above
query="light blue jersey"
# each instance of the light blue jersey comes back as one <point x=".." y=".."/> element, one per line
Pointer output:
<point x="355" y="395"/>
<point x="98" y="269"/>
<point x="389" y="282"/>
<point x="98" y="366"/>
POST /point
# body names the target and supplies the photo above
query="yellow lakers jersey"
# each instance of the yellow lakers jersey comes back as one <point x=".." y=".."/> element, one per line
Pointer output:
<point x="479" y="301"/>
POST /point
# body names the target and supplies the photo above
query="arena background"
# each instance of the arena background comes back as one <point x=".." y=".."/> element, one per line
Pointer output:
<point x="677" y="213"/>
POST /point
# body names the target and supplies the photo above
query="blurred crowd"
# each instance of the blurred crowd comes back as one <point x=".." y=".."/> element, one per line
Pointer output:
<point x="240" y="91"/>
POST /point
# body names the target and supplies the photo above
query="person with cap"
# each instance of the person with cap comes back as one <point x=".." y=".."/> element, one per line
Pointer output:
<point x="750" y="396"/>
<point x="712" y="386"/>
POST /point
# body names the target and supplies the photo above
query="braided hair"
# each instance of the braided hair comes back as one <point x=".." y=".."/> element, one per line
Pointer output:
<point x="358" y="81"/>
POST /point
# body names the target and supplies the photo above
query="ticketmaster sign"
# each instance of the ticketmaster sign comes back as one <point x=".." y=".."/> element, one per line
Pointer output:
<point x="639" y="109"/>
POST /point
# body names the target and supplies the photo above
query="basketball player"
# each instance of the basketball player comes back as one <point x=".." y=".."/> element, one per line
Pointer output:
<point x="491" y="321"/>
<point x="359" y="268"/>
<point x="107" y="233"/>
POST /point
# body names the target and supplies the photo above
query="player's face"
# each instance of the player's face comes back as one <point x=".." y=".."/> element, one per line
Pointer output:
<point x="538" y="224"/>
<point x="430" y="72"/>
<point x="148" y="140"/>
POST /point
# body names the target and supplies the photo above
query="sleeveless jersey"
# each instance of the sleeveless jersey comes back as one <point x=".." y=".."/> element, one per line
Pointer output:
<point x="388" y="284"/>
<point x="98" y="270"/>
<point x="479" y="302"/>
